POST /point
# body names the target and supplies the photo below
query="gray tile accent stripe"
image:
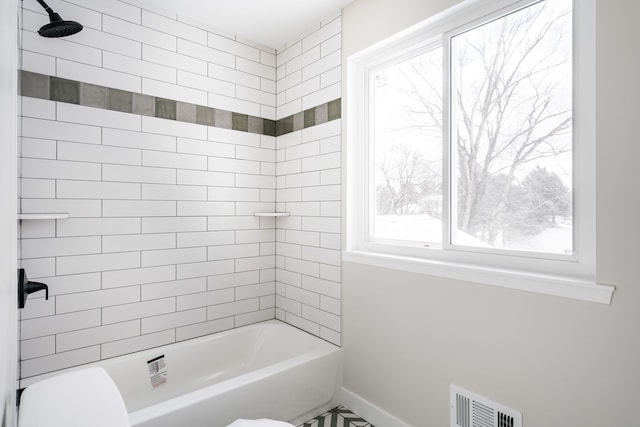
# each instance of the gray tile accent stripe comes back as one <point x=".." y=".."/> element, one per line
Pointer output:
<point x="52" y="88"/>
<point x="64" y="90"/>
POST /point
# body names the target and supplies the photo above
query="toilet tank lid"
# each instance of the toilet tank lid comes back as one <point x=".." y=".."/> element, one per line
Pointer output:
<point x="86" y="397"/>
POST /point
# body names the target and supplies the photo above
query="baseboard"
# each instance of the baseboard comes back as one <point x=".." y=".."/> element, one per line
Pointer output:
<point x="370" y="412"/>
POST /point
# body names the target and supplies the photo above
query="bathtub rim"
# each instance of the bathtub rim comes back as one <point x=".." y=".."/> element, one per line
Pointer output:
<point x="203" y="393"/>
<point x="153" y="351"/>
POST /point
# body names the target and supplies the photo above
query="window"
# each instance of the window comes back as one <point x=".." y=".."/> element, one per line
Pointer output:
<point x="406" y="116"/>
<point x="471" y="149"/>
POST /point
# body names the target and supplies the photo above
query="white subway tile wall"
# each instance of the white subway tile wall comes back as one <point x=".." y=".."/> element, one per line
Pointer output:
<point x="133" y="49"/>
<point x="309" y="69"/>
<point x="308" y="178"/>
<point x="149" y="226"/>
<point x="162" y="244"/>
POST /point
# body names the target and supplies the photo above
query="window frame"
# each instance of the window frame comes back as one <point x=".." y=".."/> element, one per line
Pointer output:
<point x="563" y="275"/>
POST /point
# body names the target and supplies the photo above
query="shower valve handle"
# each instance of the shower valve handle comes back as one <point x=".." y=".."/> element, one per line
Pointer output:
<point x="25" y="287"/>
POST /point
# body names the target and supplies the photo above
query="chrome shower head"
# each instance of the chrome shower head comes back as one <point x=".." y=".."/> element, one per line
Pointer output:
<point x="58" y="27"/>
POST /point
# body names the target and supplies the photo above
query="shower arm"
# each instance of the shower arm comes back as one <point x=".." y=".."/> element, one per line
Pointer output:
<point x="52" y="15"/>
<point x="45" y="6"/>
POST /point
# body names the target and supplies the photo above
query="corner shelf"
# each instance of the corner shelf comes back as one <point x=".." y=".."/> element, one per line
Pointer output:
<point x="41" y="216"/>
<point x="272" y="214"/>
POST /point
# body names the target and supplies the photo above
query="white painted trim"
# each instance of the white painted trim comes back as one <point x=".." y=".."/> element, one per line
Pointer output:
<point x="370" y="412"/>
<point x="561" y="286"/>
<point x="8" y="208"/>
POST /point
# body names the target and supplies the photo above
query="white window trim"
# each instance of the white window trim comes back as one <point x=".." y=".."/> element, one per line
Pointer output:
<point x="547" y="276"/>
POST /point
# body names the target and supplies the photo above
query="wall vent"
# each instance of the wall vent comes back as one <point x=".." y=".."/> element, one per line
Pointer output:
<point x="471" y="410"/>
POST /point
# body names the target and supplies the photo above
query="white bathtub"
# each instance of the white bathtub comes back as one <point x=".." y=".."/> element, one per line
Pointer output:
<point x="269" y="370"/>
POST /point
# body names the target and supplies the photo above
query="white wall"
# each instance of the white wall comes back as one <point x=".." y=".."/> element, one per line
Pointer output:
<point x="561" y="362"/>
<point x="8" y="246"/>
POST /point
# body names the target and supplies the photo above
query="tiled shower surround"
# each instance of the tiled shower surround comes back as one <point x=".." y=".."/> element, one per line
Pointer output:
<point x="161" y="139"/>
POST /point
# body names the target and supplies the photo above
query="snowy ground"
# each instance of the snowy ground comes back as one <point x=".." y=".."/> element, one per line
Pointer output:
<point x="424" y="228"/>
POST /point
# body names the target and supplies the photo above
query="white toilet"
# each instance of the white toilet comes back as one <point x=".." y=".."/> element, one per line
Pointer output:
<point x="86" y="397"/>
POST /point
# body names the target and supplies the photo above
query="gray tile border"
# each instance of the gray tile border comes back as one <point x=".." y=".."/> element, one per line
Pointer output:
<point x="298" y="121"/>
<point x="205" y="115"/>
<point x="335" y="109"/>
<point x="240" y="122"/>
<point x="52" y="88"/>
<point x="186" y="112"/>
<point x="145" y="105"/>
<point x="256" y="125"/>
<point x="120" y="100"/>
<point x="63" y="90"/>
<point x="322" y="114"/>
<point x="34" y="85"/>
<point x="223" y="119"/>
<point x="309" y="117"/>
<point x="284" y="126"/>
<point x="269" y="127"/>
<point x="93" y="96"/>
<point x="165" y="108"/>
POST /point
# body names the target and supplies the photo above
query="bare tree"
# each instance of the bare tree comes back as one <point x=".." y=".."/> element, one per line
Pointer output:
<point x="409" y="184"/>
<point x="511" y="108"/>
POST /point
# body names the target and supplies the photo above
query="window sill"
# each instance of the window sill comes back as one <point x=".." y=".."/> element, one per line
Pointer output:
<point x="567" y="287"/>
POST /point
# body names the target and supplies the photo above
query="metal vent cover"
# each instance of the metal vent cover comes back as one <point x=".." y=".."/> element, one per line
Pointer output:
<point x="471" y="410"/>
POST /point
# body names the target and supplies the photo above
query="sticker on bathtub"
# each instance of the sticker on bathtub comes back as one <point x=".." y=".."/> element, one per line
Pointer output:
<point x="157" y="371"/>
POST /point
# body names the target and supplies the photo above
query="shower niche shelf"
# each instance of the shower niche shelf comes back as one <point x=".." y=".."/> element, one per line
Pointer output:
<point x="41" y="216"/>
<point x="272" y="214"/>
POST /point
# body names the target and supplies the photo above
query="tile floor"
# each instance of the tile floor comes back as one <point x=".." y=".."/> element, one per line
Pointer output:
<point x="337" y="417"/>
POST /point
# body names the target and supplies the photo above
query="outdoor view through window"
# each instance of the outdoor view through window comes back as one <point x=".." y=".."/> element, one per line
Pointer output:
<point x="510" y="129"/>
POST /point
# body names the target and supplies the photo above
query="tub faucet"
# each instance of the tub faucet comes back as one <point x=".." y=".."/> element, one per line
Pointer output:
<point x="25" y="287"/>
